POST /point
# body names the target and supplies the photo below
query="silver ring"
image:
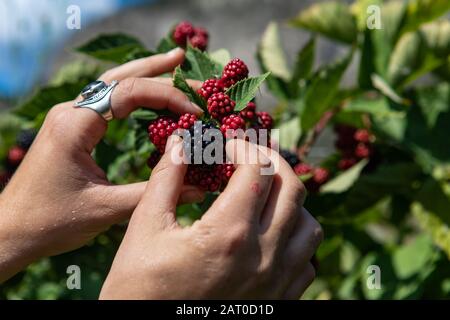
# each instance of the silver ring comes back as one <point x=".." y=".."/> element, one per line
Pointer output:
<point x="97" y="96"/>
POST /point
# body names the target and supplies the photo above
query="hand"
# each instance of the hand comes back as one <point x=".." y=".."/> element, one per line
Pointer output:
<point x="59" y="199"/>
<point x="255" y="241"/>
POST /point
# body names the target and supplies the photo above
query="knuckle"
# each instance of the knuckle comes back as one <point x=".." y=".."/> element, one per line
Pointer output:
<point x="317" y="234"/>
<point x="235" y="239"/>
<point x="298" y="191"/>
<point x="57" y="118"/>
<point x="126" y="89"/>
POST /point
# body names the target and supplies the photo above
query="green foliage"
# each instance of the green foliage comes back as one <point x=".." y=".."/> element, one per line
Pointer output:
<point x="391" y="211"/>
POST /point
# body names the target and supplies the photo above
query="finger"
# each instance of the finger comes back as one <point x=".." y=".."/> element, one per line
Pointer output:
<point x="133" y="93"/>
<point x="157" y="207"/>
<point x="146" y="67"/>
<point x="301" y="283"/>
<point x="245" y="196"/>
<point x="119" y="201"/>
<point x="129" y="95"/>
<point x="284" y="203"/>
<point x="303" y="243"/>
<point x="195" y="84"/>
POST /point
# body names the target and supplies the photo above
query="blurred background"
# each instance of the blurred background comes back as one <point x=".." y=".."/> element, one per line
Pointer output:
<point x="35" y="42"/>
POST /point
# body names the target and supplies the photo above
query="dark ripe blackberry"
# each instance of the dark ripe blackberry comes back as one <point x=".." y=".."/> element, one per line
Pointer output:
<point x="198" y="142"/>
<point x="290" y="157"/>
<point x="25" y="138"/>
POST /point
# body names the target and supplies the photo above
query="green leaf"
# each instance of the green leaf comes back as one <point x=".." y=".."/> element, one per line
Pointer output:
<point x="199" y="66"/>
<point x="272" y="54"/>
<point x="321" y="92"/>
<point x="332" y="19"/>
<point x="180" y="82"/>
<point x="379" y="83"/>
<point x="289" y="134"/>
<point x="144" y="114"/>
<point x="378" y="107"/>
<point x="383" y="40"/>
<point x="345" y="180"/>
<point x="166" y="44"/>
<point x="360" y="9"/>
<point x="434" y="226"/>
<point x="305" y="62"/>
<point x="433" y="101"/>
<point x="422" y="11"/>
<point x="49" y="96"/>
<point x="418" y="53"/>
<point x="113" y="47"/>
<point x="410" y="259"/>
<point x="277" y="86"/>
<point x="245" y="90"/>
<point x="221" y="56"/>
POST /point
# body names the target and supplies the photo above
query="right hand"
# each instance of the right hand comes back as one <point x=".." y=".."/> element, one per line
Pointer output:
<point x="256" y="241"/>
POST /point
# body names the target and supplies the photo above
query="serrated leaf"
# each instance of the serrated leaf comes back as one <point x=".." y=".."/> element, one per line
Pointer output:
<point x="245" y="90"/>
<point x="272" y="54"/>
<point x="113" y="47"/>
<point x="320" y="92"/>
<point x="345" y="180"/>
<point x="332" y="19"/>
<point x="180" y="83"/>
<point x="199" y="66"/>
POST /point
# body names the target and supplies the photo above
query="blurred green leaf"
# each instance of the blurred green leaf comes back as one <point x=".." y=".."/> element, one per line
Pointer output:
<point x="305" y="62"/>
<point x="272" y="54"/>
<point x="290" y="132"/>
<point x="221" y="56"/>
<point x="332" y="19"/>
<point x="410" y="259"/>
<point x="422" y="11"/>
<point x="245" y="90"/>
<point x="166" y="44"/>
<point x="114" y="47"/>
<point x="320" y="93"/>
<point x="345" y="180"/>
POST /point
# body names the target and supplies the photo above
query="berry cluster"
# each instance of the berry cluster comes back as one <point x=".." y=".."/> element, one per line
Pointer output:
<point x="16" y="154"/>
<point x="185" y="33"/>
<point x="353" y="144"/>
<point x="221" y="115"/>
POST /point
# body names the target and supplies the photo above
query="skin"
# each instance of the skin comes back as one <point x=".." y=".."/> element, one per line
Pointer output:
<point x="255" y="241"/>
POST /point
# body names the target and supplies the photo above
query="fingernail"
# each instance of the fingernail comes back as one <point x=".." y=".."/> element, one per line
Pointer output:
<point x="199" y="111"/>
<point x="172" y="142"/>
<point x="173" y="52"/>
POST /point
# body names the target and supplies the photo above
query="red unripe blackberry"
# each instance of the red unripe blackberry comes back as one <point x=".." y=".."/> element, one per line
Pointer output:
<point x="362" y="135"/>
<point x="233" y="72"/>
<point x="160" y="130"/>
<point x="265" y="120"/>
<point x="16" y="155"/>
<point x="233" y="122"/>
<point x="320" y="175"/>
<point x="183" y="31"/>
<point x="302" y="169"/>
<point x="154" y="159"/>
<point x="209" y="87"/>
<point x="187" y="121"/>
<point x="199" y="41"/>
<point x="346" y="163"/>
<point x="199" y="31"/>
<point x="205" y="177"/>
<point x="249" y="112"/>
<point x="226" y="171"/>
<point x="220" y="105"/>
<point x="362" y="150"/>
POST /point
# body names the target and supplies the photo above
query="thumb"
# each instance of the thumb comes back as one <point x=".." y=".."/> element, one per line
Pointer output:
<point x="159" y="201"/>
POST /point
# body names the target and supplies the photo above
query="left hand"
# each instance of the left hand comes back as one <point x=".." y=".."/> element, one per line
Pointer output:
<point x="59" y="198"/>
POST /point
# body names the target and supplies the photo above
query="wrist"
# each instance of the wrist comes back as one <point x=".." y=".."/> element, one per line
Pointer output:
<point x="17" y="249"/>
